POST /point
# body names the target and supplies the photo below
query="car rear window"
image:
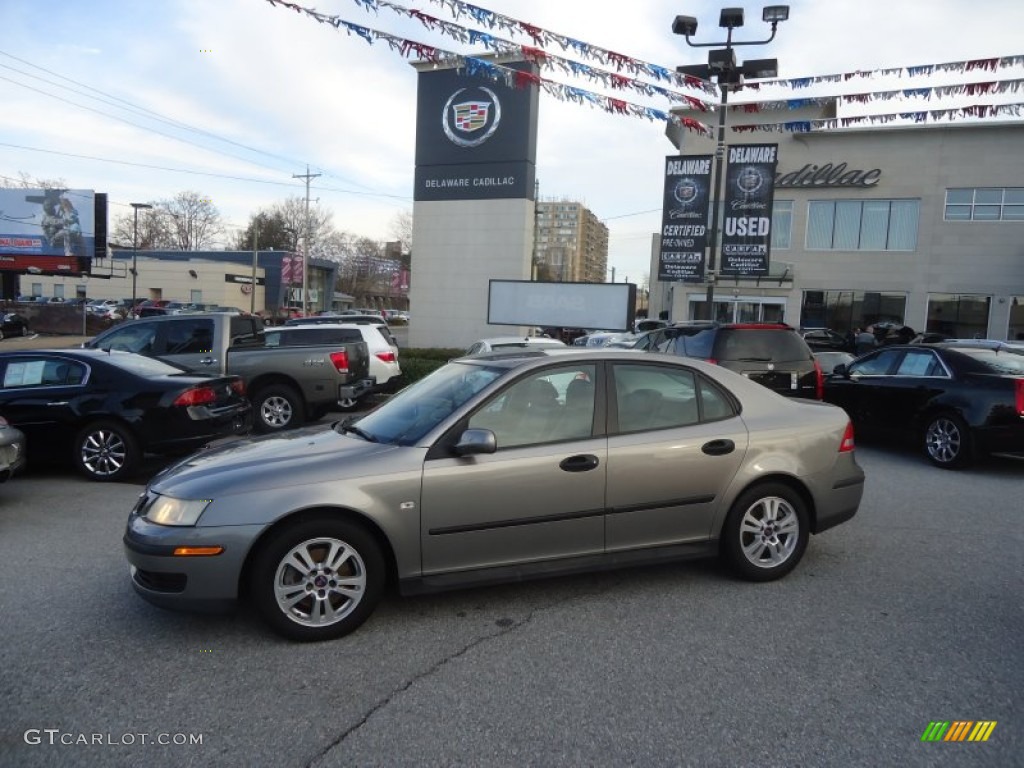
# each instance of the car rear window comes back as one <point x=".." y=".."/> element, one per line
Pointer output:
<point x="768" y="344"/>
<point x="301" y="337"/>
<point x="997" y="360"/>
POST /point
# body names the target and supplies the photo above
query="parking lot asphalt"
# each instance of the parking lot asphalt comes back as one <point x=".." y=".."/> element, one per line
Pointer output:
<point x="910" y="613"/>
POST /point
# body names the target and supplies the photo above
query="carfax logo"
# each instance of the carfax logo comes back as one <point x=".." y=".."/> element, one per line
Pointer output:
<point x="478" y="110"/>
<point x="958" y="730"/>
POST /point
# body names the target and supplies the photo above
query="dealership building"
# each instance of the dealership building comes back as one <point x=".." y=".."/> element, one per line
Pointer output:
<point x="915" y="224"/>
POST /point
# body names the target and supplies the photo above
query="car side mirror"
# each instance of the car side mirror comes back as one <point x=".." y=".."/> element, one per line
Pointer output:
<point x="476" y="441"/>
<point x="841" y="370"/>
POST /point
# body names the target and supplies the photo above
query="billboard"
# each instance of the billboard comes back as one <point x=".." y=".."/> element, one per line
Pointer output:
<point x="747" y="224"/>
<point x="476" y="139"/>
<point x="51" y="230"/>
<point x="684" y="218"/>
<point x="605" y="306"/>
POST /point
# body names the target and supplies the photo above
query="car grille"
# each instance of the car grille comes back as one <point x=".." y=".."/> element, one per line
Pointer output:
<point x="160" y="582"/>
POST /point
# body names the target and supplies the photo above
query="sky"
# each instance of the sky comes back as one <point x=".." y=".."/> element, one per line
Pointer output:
<point x="231" y="98"/>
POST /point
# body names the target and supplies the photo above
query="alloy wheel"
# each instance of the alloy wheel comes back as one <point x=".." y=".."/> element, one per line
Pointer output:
<point x="276" y="411"/>
<point x="320" y="582"/>
<point x="769" y="532"/>
<point x="104" y="453"/>
<point x="943" y="441"/>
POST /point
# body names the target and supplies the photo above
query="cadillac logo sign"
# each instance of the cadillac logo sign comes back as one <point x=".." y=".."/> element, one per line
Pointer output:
<point x="469" y="122"/>
<point x="686" y="191"/>
<point x="749" y="180"/>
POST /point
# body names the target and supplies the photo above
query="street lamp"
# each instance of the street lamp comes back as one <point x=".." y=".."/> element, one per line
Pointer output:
<point x="729" y="74"/>
<point x="135" y="250"/>
<point x="255" y="252"/>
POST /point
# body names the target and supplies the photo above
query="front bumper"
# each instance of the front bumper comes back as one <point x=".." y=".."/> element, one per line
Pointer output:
<point x="187" y="583"/>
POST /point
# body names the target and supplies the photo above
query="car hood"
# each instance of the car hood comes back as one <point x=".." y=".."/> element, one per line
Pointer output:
<point x="293" y="459"/>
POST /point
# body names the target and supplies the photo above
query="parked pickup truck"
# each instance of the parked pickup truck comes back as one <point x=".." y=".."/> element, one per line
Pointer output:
<point x="287" y="385"/>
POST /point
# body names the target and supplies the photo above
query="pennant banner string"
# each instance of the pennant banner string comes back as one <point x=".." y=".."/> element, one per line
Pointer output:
<point x="920" y="116"/>
<point x="511" y="77"/>
<point x="541" y="36"/>
<point x="942" y="91"/>
<point x="545" y="59"/>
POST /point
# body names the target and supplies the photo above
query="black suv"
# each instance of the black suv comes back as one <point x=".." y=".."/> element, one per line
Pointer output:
<point x="772" y="354"/>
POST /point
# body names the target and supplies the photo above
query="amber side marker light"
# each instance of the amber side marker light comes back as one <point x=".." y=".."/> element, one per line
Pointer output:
<point x="197" y="551"/>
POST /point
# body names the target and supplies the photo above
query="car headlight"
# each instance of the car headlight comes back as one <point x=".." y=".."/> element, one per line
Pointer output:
<point x="166" y="510"/>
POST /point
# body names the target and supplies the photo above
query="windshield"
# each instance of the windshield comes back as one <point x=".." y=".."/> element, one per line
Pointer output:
<point x="140" y="364"/>
<point x="417" y="409"/>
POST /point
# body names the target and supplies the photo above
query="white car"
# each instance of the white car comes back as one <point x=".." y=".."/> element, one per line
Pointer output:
<point x="512" y="344"/>
<point x="384" y="368"/>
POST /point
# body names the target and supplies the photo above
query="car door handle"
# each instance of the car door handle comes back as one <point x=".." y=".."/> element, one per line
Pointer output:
<point x="582" y="463"/>
<point x="207" y="361"/>
<point x="718" y="447"/>
<point x="62" y="402"/>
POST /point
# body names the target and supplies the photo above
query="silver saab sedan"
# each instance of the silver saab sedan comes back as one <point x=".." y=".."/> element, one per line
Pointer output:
<point x="495" y="469"/>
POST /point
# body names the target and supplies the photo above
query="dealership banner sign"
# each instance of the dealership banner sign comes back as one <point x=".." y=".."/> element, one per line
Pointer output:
<point x="747" y="218"/>
<point x="684" y="220"/>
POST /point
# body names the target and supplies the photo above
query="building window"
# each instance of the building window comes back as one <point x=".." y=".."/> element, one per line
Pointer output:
<point x="985" y="204"/>
<point x="958" y="315"/>
<point x="58" y="290"/>
<point x="782" y="224"/>
<point x="1016" y="330"/>
<point x="862" y="225"/>
<point x="843" y="311"/>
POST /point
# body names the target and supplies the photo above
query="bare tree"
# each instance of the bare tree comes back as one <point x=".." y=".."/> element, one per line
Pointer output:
<point x="293" y="212"/>
<point x="25" y="181"/>
<point x="154" y="230"/>
<point x="401" y="229"/>
<point x="195" y="220"/>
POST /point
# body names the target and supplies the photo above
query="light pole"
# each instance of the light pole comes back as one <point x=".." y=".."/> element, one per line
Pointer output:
<point x="729" y="75"/>
<point x="135" y="251"/>
<point x="255" y="252"/>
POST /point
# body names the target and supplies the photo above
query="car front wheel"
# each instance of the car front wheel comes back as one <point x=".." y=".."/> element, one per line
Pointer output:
<point x="766" y="532"/>
<point x="947" y="441"/>
<point x="277" y="407"/>
<point x="106" y="451"/>
<point x="318" y="579"/>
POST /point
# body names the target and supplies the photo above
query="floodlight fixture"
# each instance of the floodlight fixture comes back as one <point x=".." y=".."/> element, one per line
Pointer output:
<point x="684" y="25"/>
<point x="731" y="18"/>
<point x="773" y="14"/>
<point x="760" y="68"/>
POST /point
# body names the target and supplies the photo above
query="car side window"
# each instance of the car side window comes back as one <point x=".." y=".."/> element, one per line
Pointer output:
<point x="715" y="406"/>
<point x="189" y="336"/>
<point x="920" y="363"/>
<point x="133" y="337"/>
<point x="654" y="397"/>
<point x="878" y="364"/>
<point x="42" y="372"/>
<point x="549" y="406"/>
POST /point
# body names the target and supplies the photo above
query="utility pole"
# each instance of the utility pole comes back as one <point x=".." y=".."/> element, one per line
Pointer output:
<point x="305" y="249"/>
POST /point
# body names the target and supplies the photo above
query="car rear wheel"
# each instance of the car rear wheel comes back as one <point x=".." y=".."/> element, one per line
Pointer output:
<point x="106" y="451"/>
<point x="766" y="532"/>
<point x="278" y="407"/>
<point x="947" y="441"/>
<point x="318" y="579"/>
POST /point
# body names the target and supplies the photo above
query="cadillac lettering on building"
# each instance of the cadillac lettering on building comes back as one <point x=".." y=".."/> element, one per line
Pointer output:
<point x="828" y="175"/>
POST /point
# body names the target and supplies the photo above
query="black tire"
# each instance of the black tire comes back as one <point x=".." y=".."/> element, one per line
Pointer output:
<point x="106" y="451"/>
<point x="23" y="331"/>
<point x="1" y="334"/>
<point x="277" y="407"/>
<point x="349" y="405"/>
<point x="946" y="441"/>
<point x="311" y="591"/>
<point x="758" y="543"/>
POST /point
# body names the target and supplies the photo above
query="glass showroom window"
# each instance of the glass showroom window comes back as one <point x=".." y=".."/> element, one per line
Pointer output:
<point x="958" y="315"/>
<point x="985" y="204"/>
<point x="862" y="225"/>
<point x="782" y="224"/>
<point x="842" y="311"/>
<point x="1016" y="330"/>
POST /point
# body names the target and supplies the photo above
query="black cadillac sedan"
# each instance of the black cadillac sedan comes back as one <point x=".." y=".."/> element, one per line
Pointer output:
<point x="956" y="400"/>
<point x="104" y="410"/>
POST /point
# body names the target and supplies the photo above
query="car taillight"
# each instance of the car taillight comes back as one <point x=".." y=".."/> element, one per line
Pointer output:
<point x="712" y="361"/>
<point x="819" y="382"/>
<point x="196" y="396"/>
<point x="387" y="357"/>
<point x="340" y="360"/>
<point x="1020" y="397"/>
<point x="238" y="387"/>
<point x="847" y="443"/>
